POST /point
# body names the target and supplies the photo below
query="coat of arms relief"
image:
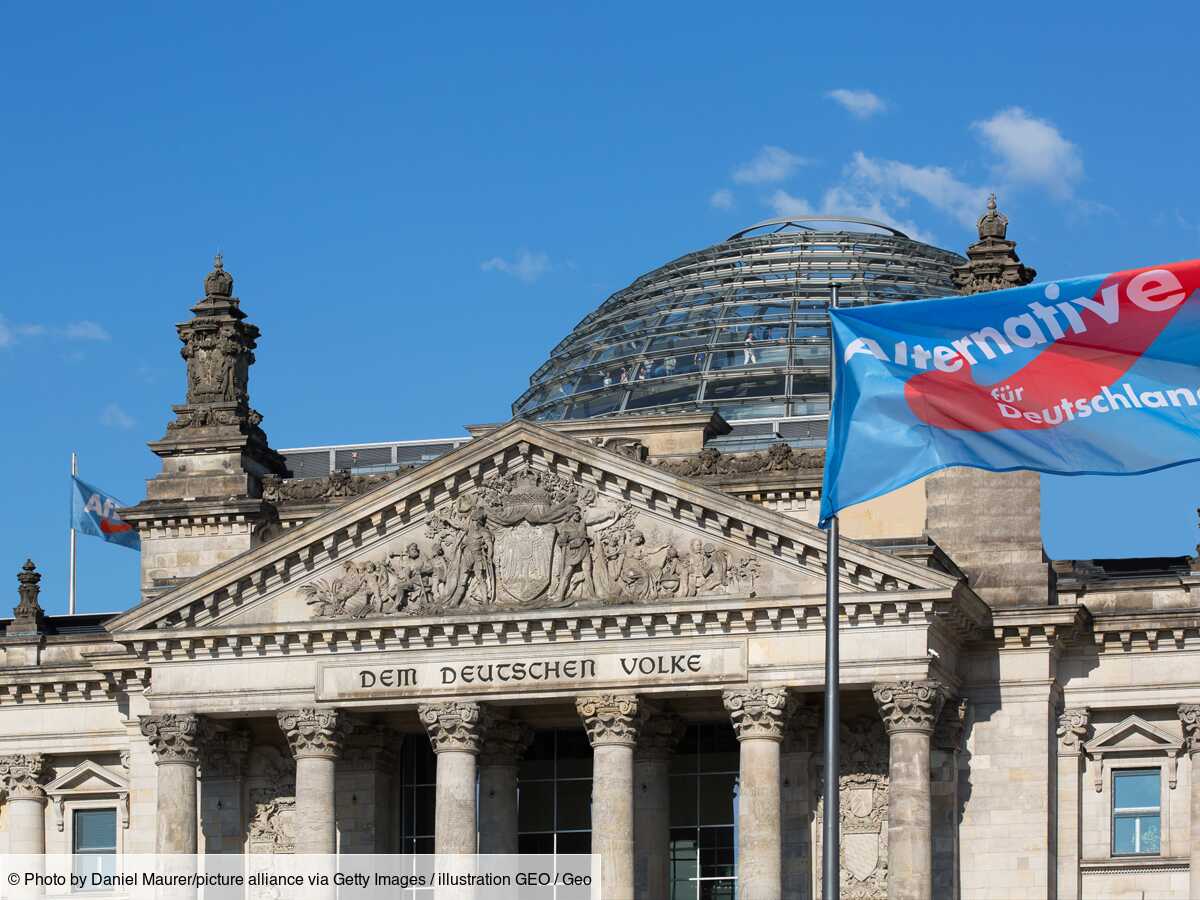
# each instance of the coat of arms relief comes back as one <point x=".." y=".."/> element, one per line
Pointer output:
<point x="530" y="540"/>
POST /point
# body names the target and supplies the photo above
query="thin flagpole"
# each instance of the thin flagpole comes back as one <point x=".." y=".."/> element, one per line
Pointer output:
<point x="71" y="574"/>
<point x="830" y="831"/>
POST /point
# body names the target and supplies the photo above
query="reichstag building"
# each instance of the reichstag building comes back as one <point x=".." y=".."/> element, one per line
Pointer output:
<point x="599" y="627"/>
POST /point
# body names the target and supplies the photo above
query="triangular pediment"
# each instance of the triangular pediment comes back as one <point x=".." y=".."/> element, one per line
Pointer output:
<point x="1132" y="734"/>
<point x="525" y="519"/>
<point x="88" y="778"/>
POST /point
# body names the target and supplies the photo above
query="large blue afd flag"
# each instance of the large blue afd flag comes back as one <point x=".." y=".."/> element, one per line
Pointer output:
<point x="1097" y="375"/>
<point x="95" y="512"/>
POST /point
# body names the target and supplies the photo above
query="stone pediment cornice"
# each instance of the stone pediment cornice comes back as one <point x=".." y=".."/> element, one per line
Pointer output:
<point x="414" y="497"/>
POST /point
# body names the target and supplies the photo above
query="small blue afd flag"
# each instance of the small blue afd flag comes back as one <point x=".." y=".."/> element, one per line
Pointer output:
<point x="95" y="512"/>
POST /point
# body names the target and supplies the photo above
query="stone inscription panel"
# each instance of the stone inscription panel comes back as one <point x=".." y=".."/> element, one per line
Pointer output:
<point x="516" y="671"/>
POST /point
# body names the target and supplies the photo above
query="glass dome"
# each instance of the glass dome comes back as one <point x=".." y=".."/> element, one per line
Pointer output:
<point x="741" y="327"/>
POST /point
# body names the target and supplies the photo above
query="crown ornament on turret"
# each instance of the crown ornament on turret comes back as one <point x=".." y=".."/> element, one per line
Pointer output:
<point x="28" y="613"/>
<point x="218" y="282"/>
<point x="992" y="261"/>
<point x="993" y="223"/>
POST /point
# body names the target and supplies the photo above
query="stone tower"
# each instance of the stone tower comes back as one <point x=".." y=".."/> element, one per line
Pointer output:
<point x="990" y="522"/>
<point x="205" y="505"/>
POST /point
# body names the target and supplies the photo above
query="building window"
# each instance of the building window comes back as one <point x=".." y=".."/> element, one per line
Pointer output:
<point x="418" y="791"/>
<point x="554" y="794"/>
<point x="94" y="842"/>
<point x="704" y="772"/>
<point x="1136" y="813"/>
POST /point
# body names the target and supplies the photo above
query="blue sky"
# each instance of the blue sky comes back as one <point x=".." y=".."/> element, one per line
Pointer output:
<point x="418" y="204"/>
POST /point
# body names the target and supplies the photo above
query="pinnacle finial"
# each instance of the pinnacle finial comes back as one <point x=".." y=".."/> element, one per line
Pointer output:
<point x="993" y="223"/>
<point x="991" y="205"/>
<point x="218" y="282"/>
<point x="219" y="260"/>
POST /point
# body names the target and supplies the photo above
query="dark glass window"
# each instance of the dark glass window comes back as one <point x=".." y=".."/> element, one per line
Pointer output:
<point x="585" y="408"/>
<point x="554" y="794"/>
<point x="662" y="395"/>
<point x="94" y="842"/>
<point x="738" y="388"/>
<point x="703" y="813"/>
<point x="1136" y="812"/>
<point x="418" y="791"/>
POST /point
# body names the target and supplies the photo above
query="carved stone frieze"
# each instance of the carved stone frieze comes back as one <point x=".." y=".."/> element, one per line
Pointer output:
<point x="338" y="485"/>
<point x="224" y="754"/>
<point x="776" y="458"/>
<point x="22" y="776"/>
<point x="271" y="790"/>
<point x="1073" y="727"/>
<point x="530" y="540"/>
<point x="455" y="725"/>
<point x="505" y="742"/>
<point x="909" y="705"/>
<point x="174" y="737"/>
<point x="612" y="718"/>
<point x="659" y="734"/>
<point x="313" y="732"/>
<point x="759" y="712"/>
<point x="1189" y="717"/>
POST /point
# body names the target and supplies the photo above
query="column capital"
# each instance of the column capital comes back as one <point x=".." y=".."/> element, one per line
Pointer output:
<point x="224" y="754"/>
<point x="174" y="737"/>
<point x="1073" y="726"/>
<point x="909" y="705"/>
<point x="313" y="732"/>
<point x="611" y="718"/>
<point x="659" y="734"/>
<point x="455" y="725"/>
<point x="1189" y="717"/>
<point x="22" y="776"/>
<point x="802" y="730"/>
<point x="759" y="713"/>
<point x="505" y="742"/>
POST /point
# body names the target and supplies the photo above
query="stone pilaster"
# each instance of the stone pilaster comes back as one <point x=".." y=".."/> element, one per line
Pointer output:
<point x="613" y="723"/>
<point x="456" y="729"/>
<point x="1072" y="731"/>
<point x="801" y="738"/>
<point x="316" y="738"/>
<point x="366" y="773"/>
<point x="759" y="715"/>
<point x="503" y="747"/>
<point x="21" y="778"/>
<point x="909" y="710"/>
<point x="652" y="803"/>
<point x="1189" y="717"/>
<point x="947" y="742"/>
<point x="222" y="768"/>
<point x="175" y="740"/>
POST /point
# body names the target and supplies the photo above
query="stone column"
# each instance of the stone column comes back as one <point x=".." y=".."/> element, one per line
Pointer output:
<point x="652" y="804"/>
<point x="909" y="710"/>
<point x="947" y="741"/>
<point x="316" y="737"/>
<point x="222" y="767"/>
<point x="801" y="737"/>
<point x="503" y="746"/>
<point x="613" y="722"/>
<point x="1189" y="716"/>
<point x="21" y="777"/>
<point x="759" y="715"/>
<point x="456" y="730"/>
<point x="175" y="739"/>
<point x="1072" y="732"/>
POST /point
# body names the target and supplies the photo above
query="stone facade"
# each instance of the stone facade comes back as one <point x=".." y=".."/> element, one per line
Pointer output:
<point x="412" y="641"/>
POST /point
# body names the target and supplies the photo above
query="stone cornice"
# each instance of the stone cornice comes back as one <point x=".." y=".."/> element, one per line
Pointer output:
<point x="411" y="499"/>
<point x="72" y="684"/>
<point x="1146" y="630"/>
<point x="1040" y="627"/>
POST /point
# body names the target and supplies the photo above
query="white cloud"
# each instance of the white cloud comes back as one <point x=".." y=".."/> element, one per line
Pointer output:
<point x="771" y="164"/>
<point x="860" y="104"/>
<point x="85" y="330"/>
<point x="722" y="199"/>
<point x="526" y="266"/>
<point x="113" y="416"/>
<point x="936" y="185"/>
<point x="1031" y="151"/>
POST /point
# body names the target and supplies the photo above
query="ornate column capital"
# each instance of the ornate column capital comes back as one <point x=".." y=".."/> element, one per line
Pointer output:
<point x="313" y="732"/>
<point x="659" y="734"/>
<point x="505" y="742"/>
<point x="759" y="713"/>
<point x="909" y="705"/>
<point x="1189" y="717"/>
<point x="1073" y="727"/>
<point x="948" y="733"/>
<point x="802" y="731"/>
<point x="224" y="754"/>
<point x="174" y="737"/>
<point x="455" y="725"/>
<point x="22" y="776"/>
<point x="611" y="718"/>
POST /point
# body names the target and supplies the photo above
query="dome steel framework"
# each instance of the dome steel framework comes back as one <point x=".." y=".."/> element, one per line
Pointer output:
<point x="741" y="327"/>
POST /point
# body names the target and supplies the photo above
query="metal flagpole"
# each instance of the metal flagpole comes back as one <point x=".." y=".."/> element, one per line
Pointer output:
<point x="830" y="832"/>
<point x="71" y="574"/>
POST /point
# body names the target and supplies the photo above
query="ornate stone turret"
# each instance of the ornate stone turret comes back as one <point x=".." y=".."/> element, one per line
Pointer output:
<point x="214" y="452"/>
<point x="27" y="615"/>
<point x="993" y="261"/>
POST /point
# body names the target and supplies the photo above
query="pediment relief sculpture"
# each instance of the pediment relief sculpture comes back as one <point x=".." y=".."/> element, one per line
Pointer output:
<point x="531" y="540"/>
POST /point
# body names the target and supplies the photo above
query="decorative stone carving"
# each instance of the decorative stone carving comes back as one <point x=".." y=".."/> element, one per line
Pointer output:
<point x="224" y="754"/>
<point x="271" y="790"/>
<point x="992" y="263"/>
<point x="174" y="737"/>
<point x="338" y="485"/>
<point x="313" y="732"/>
<point x="631" y="448"/>
<point x="611" y="718"/>
<point x="776" y="458"/>
<point x="28" y="615"/>
<point x="529" y="540"/>
<point x="659" y="734"/>
<point x="505" y="742"/>
<point x="909" y="705"/>
<point x="23" y="775"/>
<point x="802" y="731"/>
<point x="759" y="712"/>
<point x="1189" y="717"/>
<point x="948" y="733"/>
<point x="370" y="748"/>
<point x="455" y="725"/>
<point x="1073" y="726"/>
